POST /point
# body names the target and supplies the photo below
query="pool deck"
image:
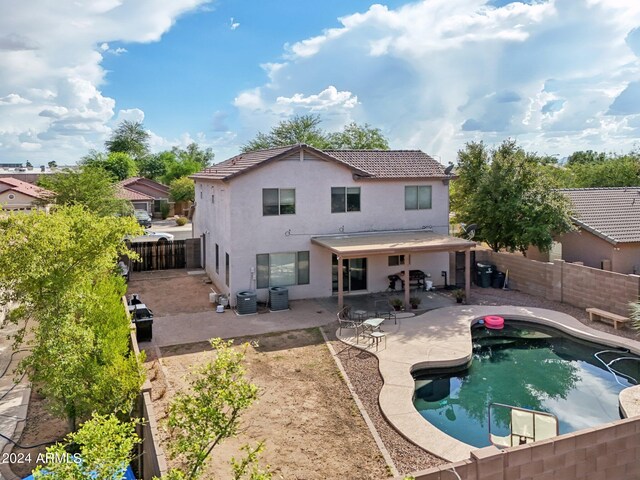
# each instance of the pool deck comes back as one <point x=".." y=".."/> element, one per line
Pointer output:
<point x="442" y="338"/>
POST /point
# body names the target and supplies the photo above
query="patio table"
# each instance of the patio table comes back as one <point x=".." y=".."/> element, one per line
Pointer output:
<point x="372" y="324"/>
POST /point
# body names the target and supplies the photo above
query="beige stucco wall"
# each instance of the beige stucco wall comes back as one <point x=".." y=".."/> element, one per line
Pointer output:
<point x="582" y="246"/>
<point x="20" y="201"/>
<point x="237" y="222"/>
<point x="626" y="258"/>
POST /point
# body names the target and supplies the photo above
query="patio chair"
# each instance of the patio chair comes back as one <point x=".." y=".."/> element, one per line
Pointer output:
<point x="345" y="320"/>
<point x="385" y="310"/>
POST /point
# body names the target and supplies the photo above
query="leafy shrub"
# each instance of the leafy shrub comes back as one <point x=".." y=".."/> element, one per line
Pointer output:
<point x="180" y="221"/>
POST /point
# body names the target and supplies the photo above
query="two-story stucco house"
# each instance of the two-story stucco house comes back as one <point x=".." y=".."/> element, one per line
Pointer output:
<point x="323" y="223"/>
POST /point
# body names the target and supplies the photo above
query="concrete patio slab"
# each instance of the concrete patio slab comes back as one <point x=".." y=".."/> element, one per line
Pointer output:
<point x="196" y="327"/>
<point x="442" y="338"/>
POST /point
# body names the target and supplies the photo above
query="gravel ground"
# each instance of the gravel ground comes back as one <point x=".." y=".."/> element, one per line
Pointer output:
<point x="362" y="369"/>
<point x="495" y="296"/>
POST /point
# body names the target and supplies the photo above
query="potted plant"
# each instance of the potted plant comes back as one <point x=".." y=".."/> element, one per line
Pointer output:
<point x="459" y="295"/>
<point x="415" y="301"/>
<point x="397" y="304"/>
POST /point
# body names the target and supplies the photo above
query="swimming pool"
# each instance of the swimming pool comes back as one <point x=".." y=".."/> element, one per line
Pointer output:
<point x="529" y="366"/>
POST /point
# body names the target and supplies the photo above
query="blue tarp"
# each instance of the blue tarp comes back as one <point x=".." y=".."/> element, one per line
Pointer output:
<point x="128" y="475"/>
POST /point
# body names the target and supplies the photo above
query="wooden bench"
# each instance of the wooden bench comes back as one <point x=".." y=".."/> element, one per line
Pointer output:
<point x="602" y="314"/>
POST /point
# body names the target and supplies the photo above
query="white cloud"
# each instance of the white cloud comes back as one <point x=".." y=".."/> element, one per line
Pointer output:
<point x="435" y="74"/>
<point x="131" y="114"/>
<point x="13" y="99"/>
<point x="233" y="25"/>
<point x="327" y="99"/>
<point x="50" y="59"/>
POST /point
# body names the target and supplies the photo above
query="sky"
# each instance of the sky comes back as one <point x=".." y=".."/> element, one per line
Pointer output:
<point x="556" y="75"/>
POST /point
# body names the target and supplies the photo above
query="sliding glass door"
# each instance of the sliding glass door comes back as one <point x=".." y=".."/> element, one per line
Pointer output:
<point x="354" y="274"/>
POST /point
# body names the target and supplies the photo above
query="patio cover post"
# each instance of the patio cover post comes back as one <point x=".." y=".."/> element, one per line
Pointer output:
<point x="407" y="282"/>
<point x="467" y="273"/>
<point x="340" y="283"/>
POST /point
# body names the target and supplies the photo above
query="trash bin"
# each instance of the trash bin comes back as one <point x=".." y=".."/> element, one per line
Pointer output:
<point x="142" y="317"/>
<point x="246" y="302"/>
<point x="278" y="298"/>
<point x="497" y="279"/>
<point x="483" y="275"/>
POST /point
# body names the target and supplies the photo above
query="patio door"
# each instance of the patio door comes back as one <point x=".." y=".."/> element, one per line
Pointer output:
<point x="354" y="274"/>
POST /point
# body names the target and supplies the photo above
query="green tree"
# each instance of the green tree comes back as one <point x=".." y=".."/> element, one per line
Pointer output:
<point x="52" y="164"/>
<point x="178" y="166"/>
<point x="621" y="171"/>
<point x="80" y="360"/>
<point x="152" y="166"/>
<point x="193" y="153"/>
<point x="182" y="190"/>
<point x="118" y="165"/>
<point x="209" y="412"/>
<point x="306" y="129"/>
<point x="105" y="447"/>
<point x="59" y="268"/>
<point x="28" y="164"/>
<point x="299" y="129"/>
<point x="87" y="186"/>
<point x="130" y="138"/>
<point x="586" y="157"/>
<point x="505" y="193"/>
<point x="356" y="137"/>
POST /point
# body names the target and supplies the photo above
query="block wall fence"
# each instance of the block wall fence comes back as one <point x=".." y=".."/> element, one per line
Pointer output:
<point x="608" y="452"/>
<point x="150" y="458"/>
<point x="569" y="283"/>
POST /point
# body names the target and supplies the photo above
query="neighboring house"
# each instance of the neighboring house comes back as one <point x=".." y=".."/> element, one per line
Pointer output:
<point x="140" y="201"/>
<point x="150" y="188"/>
<point x="608" y="229"/>
<point x="16" y="195"/>
<point x="289" y="216"/>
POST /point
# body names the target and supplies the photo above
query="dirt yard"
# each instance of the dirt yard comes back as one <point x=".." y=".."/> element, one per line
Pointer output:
<point x="312" y="427"/>
<point x="183" y="294"/>
<point x="40" y="427"/>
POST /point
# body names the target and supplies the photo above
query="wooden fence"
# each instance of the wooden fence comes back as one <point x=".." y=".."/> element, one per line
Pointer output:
<point x="159" y="255"/>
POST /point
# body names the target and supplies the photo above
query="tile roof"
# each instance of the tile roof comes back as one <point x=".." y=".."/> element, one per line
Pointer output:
<point x="610" y="213"/>
<point x="26" y="188"/>
<point x="128" y="194"/>
<point x="365" y="163"/>
<point x="391" y="163"/>
<point x="145" y="181"/>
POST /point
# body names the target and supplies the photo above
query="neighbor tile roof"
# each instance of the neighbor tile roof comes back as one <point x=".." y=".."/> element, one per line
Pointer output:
<point x="366" y="163"/>
<point x="610" y="213"/>
<point x="26" y="188"/>
<point x="128" y="194"/>
<point x="145" y="181"/>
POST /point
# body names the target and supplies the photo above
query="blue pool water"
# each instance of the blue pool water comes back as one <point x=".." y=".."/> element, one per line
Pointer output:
<point x="529" y="366"/>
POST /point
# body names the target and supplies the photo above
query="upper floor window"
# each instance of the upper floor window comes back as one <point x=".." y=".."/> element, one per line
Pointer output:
<point x="345" y="199"/>
<point x="417" y="197"/>
<point x="278" y="201"/>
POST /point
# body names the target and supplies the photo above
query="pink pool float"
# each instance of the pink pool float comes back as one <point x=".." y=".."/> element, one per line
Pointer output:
<point x="494" y="322"/>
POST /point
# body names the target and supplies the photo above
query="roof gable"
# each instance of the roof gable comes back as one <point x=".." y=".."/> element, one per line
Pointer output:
<point x="374" y="164"/>
<point x="610" y="213"/>
<point x="133" y="181"/>
<point x="26" y="188"/>
<point x="128" y="194"/>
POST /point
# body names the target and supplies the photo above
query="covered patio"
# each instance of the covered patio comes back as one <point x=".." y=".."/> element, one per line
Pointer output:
<point x="394" y="243"/>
